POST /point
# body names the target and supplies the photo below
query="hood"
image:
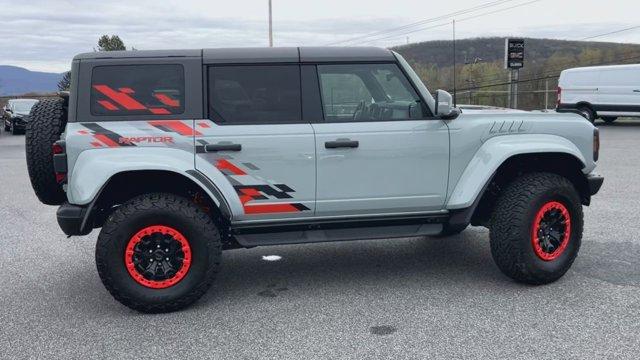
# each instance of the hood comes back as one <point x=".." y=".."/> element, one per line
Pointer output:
<point x="490" y="110"/>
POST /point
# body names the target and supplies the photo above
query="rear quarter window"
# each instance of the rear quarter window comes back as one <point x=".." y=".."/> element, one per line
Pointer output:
<point x="137" y="90"/>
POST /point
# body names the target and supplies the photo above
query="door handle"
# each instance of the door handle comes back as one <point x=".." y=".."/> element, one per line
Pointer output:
<point x="341" y="143"/>
<point x="222" y="147"/>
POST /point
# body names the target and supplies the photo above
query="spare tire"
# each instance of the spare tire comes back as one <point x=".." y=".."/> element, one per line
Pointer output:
<point x="47" y="121"/>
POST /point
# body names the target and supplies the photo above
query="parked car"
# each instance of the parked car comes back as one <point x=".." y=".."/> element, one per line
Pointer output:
<point x="605" y="92"/>
<point x="16" y="114"/>
<point x="178" y="155"/>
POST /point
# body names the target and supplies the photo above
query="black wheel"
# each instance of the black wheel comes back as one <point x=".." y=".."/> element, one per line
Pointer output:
<point x="14" y="131"/>
<point x="158" y="253"/>
<point x="536" y="228"/>
<point x="588" y="113"/>
<point x="47" y="121"/>
<point x="609" y="119"/>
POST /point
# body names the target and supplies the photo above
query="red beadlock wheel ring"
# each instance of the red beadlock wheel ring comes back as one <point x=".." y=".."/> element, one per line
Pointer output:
<point x="549" y="243"/>
<point x="174" y="235"/>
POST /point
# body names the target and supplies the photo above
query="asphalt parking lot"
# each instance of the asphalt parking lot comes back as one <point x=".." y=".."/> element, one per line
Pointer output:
<point x="405" y="298"/>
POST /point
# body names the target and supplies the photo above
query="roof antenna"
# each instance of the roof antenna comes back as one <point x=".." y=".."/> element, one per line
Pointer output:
<point x="455" y="100"/>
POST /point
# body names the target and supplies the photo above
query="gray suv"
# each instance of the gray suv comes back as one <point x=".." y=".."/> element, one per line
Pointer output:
<point x="178" y="155"/>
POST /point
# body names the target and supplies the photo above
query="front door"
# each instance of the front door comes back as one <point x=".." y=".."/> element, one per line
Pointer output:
<point x="378" y="152"/>
<point x="256" y="141"/>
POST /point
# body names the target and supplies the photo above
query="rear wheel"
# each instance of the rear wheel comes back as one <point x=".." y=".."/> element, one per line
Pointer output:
<point x="536" y="228"/>
<point x="158" y="253"/>
<point x="47" y="122"/>
<point x="588" y="113"/>
<point x="609" y="119"/>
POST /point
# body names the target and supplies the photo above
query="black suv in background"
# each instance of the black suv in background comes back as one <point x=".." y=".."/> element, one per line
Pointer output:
<point x="16" y="114"/>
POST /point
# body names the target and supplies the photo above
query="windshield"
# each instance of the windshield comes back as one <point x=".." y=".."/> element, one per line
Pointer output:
<point x="23" y="106"/>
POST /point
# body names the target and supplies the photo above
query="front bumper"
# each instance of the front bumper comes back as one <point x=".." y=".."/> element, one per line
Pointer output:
<point x="19" y="123"/>
<point x="595" y="183"/>
<point x="72" y="219"/>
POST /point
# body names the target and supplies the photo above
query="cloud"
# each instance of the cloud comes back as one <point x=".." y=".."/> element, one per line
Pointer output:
<point x="45" y="35"/>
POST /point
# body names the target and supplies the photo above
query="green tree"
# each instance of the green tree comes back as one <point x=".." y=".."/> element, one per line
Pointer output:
<point x="110" y="43"/>
<point x="65" y="83"/>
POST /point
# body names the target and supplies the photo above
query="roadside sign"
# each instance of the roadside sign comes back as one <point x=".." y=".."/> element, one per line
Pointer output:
<point x="513" y="53"/>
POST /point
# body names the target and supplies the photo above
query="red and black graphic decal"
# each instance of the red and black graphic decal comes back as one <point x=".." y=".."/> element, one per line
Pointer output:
<point x="123" y="100"/>
<point x="104" y="137"/>
<point x="175" y="126"/>
<point x="249" y="193"/>
<point x="228" y="168"/>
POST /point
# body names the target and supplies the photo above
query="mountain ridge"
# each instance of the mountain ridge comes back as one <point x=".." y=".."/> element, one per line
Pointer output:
<point x="15" y="80"/>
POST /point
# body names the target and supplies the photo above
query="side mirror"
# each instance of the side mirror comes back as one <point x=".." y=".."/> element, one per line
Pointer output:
<point x="444" y="105"/>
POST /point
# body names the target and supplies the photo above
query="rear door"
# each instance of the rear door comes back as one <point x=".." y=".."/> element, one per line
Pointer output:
<point x="256" y="138"/>
<point x="379" y="150"/>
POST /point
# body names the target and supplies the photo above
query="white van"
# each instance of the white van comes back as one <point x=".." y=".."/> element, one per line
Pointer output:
<point x="604" y="92"/>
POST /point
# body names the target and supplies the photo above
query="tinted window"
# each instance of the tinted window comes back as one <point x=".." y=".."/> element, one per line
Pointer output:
<point x="255" y="94"/>
<point x="137" y="90"/>
<point x="367" y="92"/>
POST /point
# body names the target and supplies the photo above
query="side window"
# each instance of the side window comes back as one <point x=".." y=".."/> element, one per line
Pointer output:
<point x="255" y="94"/>
<point x="367" y="92"/>
<point x="137" y="90"/>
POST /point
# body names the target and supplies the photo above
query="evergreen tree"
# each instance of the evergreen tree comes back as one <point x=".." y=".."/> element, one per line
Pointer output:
<point x="110" y="43"/>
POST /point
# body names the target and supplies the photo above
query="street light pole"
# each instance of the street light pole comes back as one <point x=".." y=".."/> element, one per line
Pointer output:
<point x="270" y="26"/>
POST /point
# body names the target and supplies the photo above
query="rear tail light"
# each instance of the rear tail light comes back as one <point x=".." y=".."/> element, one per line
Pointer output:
<point x="59" y="150"/>
<point x="559" y="98"/>
<point x="596" y="144"/>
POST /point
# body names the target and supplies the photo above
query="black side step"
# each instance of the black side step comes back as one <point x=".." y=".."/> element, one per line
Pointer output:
<point x="280" y="233"/>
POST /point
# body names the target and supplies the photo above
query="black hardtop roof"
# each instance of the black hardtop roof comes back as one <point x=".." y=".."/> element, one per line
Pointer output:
<point x="255" y="55"/>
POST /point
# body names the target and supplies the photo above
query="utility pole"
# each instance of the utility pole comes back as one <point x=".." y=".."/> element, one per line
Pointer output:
<point x="516" y="76"/>
<point x="546" y="94"/>
<point x="270" y="26"/>
<point x="455" y="97"/>
<point x="510" y="93"/>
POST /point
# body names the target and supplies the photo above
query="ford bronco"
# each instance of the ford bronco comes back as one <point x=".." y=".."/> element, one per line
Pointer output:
<point x="178" y="155"/>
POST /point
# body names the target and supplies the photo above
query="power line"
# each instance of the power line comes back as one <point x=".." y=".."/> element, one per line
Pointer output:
<point x="566" y="63"/>
<point x="448" y="23"/>
<point x="612" y="32"/>
<point x="425" y="21"/>
<point x="542" y="77"/>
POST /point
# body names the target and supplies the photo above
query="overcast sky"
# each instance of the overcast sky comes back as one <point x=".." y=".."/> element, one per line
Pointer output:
<point x="45" y="35"/>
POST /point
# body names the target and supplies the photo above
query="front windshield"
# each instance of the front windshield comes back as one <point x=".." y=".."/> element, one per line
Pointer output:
<point x="23" y="106"/>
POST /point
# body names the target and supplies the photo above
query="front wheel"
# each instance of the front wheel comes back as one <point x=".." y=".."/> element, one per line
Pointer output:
<point x="14" y="131"/>
<point x="536" y="228"/>
<point x="158" y="253"/>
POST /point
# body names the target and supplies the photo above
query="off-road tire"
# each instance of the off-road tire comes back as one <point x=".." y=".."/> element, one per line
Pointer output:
<point x="48" y="118"/>
<point x="158" y="209"/>
<point x="609" y="119"/>
<point x="512" y="223"/>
